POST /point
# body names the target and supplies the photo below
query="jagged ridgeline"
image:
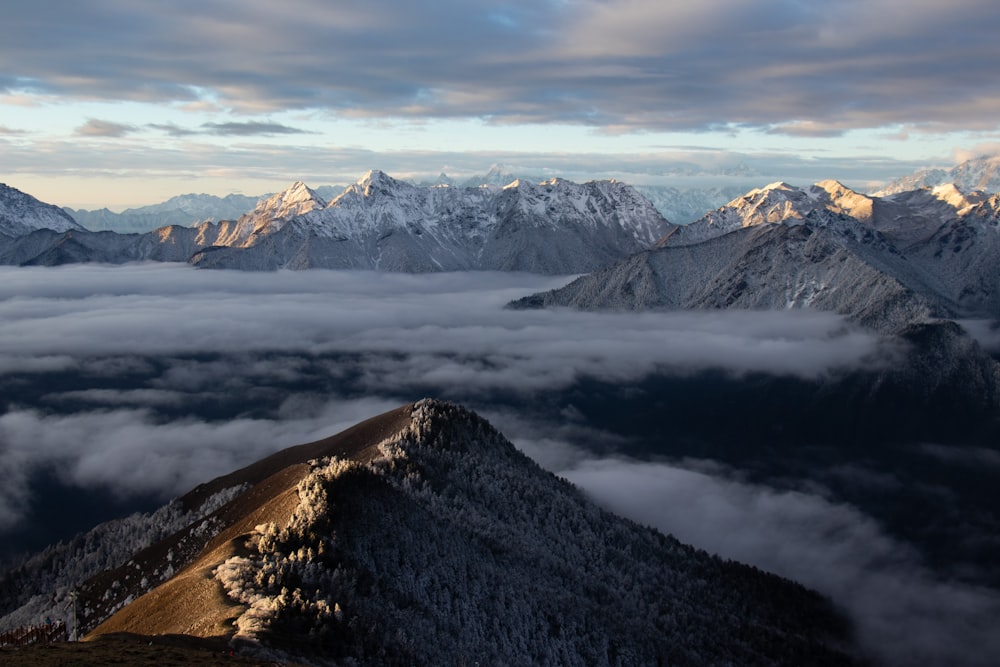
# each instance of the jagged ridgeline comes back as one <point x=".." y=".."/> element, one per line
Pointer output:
<point x="885" y="262"/>
<point x="422" y="536"/>
<point x="553" y="227"/>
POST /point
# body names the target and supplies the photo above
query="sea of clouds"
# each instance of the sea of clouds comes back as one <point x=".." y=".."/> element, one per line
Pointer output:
<point x="302" y="355"/>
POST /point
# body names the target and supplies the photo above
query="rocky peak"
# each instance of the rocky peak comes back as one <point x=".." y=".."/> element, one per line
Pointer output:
<point x="297" y="199"/>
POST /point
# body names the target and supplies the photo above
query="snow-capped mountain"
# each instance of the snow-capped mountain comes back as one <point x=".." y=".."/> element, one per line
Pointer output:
<point x="185" y="210"/>
<point x="678" y="204"/>
<point x="886" y="262"/>
<point x="20" y="214"/>
<point x="775" y="203"/>
<point x="554" y="227"/>
<point x="422" y="536"/>
<point x="905" y="266"/>
<point x="381" y="223"/>
<point x="980" y="173"/>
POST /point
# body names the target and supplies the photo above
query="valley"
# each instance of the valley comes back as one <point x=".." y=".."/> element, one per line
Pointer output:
<point x="796" y="376"/>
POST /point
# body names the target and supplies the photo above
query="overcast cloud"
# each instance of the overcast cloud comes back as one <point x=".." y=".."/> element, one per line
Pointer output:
<point x="798" y="67"/>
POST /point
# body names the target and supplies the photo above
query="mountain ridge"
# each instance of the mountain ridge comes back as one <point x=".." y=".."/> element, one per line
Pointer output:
<point x="979" y="173"/>
<point x="381" y="223"/>
<point x="914" y="256"/>
<point x="415" y="542"/>
<point x="21" y="214"/>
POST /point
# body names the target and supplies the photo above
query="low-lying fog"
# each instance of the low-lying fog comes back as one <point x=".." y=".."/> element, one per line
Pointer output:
<point x="149" y="379"/>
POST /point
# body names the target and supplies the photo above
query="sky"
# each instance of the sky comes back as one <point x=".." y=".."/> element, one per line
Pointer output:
<point x="114" y="103"/>
<point x="115" y="375"/>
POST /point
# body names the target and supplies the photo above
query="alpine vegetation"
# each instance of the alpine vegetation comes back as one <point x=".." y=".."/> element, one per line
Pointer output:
<point x="451" y="546"/>
<point x="422" y="536"/>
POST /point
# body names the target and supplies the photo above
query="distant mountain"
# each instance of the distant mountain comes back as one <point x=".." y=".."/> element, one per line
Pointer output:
<point x="904" y="266"/>
<point x="185" y="210"/>
<point x="981" y="173"/>
<point x="45" y="247"/>
<point x="886" y="262"/>
<point x="678" y="204"/>
<point x="553" y="227"/>
<point x="21" y="214"/>
<point x="498" y="174"/>
<point x="423" y="537"/>
<point x="381" y="223"/>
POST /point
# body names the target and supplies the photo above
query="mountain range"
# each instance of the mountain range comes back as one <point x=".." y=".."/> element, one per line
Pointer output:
<point x="677" y="203"/>
<point x="422" y="536"/>
<point x="556" y="227"/>
<point x="355" y="557"/>
<point x="979" y="173"/>
<point x="185" y="210"/>
<point x="886" y="262"/>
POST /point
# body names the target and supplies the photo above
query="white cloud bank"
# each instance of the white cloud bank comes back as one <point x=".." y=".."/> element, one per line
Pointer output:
<point x="52" y="317"/>
<point x="404" y="334"/>
<point x="905" y="614"/>
<point x="448" y="332"/>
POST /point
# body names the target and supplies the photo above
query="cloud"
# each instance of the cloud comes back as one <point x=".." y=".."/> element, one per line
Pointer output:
<point x="173" y="129"/>
<point x="991" y="149"/>
<point x="986" y="333"/>
<point x="103" y="128"/>
<point x="904" y="613"/>
<point x="229" y="129"/>
<point x="130" y="451"/>
<point x="445" y="330"/>
<point x="623" y="63"/>
<point x="248" y="129"/>
<point x="263" y="168"/>
<point x="137" y="341"/>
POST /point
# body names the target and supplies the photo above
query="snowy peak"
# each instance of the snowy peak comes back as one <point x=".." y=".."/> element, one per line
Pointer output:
<point x="979" y="173"/>
<point x="839" y="198"/>
<point x="778" y="187"/>
<point x="21" y="214"/>
<point x="498" y="175"/>
<point x="908" y="216"/>
<point x="554" y="227"/>
<point x="954" y="197"/>
<point x="377" y="182"/>
<point x="777" y="202"/>
<point x="297" y="199"/>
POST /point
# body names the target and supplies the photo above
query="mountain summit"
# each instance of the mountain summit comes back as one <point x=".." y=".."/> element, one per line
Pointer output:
<point x="21" y="214"/>
<point x="422" y="536"/>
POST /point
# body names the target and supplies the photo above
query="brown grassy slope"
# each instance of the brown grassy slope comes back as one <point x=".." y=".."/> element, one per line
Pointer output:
<point x="192" y="602"/>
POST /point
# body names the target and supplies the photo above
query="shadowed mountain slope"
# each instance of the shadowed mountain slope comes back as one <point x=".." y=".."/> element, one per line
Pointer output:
<point x="422" y="536"/>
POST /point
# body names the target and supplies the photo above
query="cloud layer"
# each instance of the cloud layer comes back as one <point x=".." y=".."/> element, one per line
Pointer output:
<point x="149" y="379"/>
<point x="47" y="315"/>
<point x="813" y="68"/>
<point x="120" y="351"/>
<point x="905" y="614"/>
